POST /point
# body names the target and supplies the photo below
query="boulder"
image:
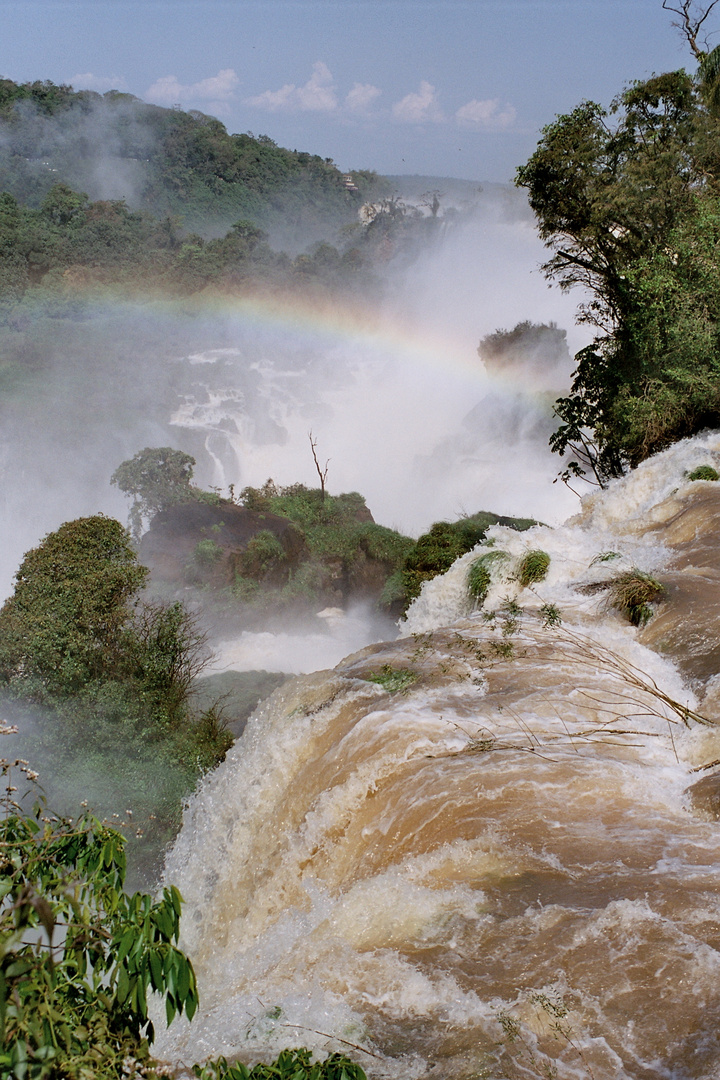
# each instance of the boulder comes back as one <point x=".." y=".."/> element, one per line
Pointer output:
<point x="170" y="545"/>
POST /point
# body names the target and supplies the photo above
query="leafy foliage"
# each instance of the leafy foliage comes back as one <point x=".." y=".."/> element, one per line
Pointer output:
<point x="155" y="478"/>
<point x="630" y="212"/>
<point x="394" y="680"/>
<point x="632" y="593"/>
<point x="290" y="1065"/>
<point x="480" y="574"/>
<point x="181" y="162"/>
<point x="435" y="551"/>
<point x="65" y="624"/>
<point x="339" y="541"/>
<point x="704" y="472"/>
<point x="109" y="677"/>
<point x="529" y="343"/>
<point x="78" y="955"/>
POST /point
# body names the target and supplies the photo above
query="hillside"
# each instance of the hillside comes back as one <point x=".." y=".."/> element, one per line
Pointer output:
<point x="169" y="162"/>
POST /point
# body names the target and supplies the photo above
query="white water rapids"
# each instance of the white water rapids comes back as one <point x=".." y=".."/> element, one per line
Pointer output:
<point x="495" y="870"/>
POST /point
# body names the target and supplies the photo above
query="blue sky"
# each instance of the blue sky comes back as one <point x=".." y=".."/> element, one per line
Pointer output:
<point x="437" y="87"/>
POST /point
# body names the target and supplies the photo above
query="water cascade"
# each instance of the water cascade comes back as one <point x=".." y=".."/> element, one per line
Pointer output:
<point x="472" y="851"/>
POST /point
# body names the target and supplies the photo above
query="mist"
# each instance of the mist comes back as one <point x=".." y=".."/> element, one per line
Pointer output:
<point x="402" y="407"/>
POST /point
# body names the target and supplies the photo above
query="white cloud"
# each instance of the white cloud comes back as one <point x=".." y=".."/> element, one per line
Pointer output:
<point x="486" y="114"/>
<point x="317" y="95"/>
<point x="101" y="83"/>
<point x="416" y="108"/>
<point x="361" y="96"/>
<point x="217" y="89"/>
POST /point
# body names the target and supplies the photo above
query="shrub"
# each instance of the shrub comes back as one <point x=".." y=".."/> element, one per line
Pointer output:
<point x="632" y="593"/>
<point x="74" y="631"/>
<point x="207" y="553"/>
<point x="66" y="622"/>
<point x="393" y="593"/>
<point x="109" y="678"/>
<point x="533" y="567"/>
<point x="480" y="576"/>
<point x="394" y="680"/>
<point x="338" y="537"/>
<point x="704" y="472"/>
<point x="262" y="554"/>
<point x="436" y="551"/>
<point x="79" y="955"/>
<point x="290" y="1065"/>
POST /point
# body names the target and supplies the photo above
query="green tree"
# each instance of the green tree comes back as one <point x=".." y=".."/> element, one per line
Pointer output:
<point x="155" y="478"/>
<point x="610" y="190"/>
<point x="75" y="635"/>
<point x="529" y="343"/>
<point x="108" y="679"/>
<point x="63" y="205"/>
<point x="66" y="622"/>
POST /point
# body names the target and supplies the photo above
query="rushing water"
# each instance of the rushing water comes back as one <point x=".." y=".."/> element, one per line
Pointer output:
<point x="490" y="866"/>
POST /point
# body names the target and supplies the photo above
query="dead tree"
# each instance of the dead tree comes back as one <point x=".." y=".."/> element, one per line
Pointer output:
<point x="322" y="473"/>
<point x="691" y="19"/>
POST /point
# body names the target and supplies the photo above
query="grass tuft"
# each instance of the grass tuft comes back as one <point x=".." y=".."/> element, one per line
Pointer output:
<point x="704" y="472"/>
<point x="480" y="575"/>
<point x="394" y="680"/>
<point x="533" y="567"/>
<point x="632" y="593"/>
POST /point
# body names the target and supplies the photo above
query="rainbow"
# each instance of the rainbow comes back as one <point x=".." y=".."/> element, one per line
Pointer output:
<point x="381" y="334"/>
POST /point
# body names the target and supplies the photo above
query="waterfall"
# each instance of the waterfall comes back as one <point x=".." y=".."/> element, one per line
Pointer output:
<point x="472" y="851"/>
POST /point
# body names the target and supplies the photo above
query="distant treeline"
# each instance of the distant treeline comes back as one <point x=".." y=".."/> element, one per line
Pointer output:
<point x="199" y="208"/>
<point x="52" y="255"/>
<point x="168" y="162"/>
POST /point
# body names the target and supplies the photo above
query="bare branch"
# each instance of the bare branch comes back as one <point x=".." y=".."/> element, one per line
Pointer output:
<point x="690" y="23"/>
<point x="322" y="473"/>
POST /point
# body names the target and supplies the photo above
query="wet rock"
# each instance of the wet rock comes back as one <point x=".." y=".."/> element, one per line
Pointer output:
<point x="169" y="544"/>
<point x="704" y="796"/>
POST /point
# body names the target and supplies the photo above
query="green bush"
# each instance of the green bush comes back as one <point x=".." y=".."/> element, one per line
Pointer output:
<point x="78" y="955"/>
<point x="704" y="472"/>
<point x="435" y="551"/>
<point x="533" y="567"/>
<point x="394" y="680"/>
<point x="393" y="594"/>
<point x="338" y="540"/>
<point x="290" y="1065"/>
<point x="480" y="575"/>
<point x="94" y="675"/>
<point x="207" y="553"/>
<point x="632" y="593"/>
<point x="263" y="553"/>
<point x="66" y="623"/>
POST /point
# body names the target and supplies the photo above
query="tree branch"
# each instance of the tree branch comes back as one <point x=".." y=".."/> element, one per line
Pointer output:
<point x="690" y="23"/>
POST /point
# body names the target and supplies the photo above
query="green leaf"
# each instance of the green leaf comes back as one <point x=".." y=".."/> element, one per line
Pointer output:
<point x="183" y="978"/>
<point x="191" y="1004"/>
<point x="123" y="984"/>
<point x="156" y="970"/>
<point x="126" y="941"/>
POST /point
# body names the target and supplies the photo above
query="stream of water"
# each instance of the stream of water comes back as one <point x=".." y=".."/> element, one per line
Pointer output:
<point x="475" y="850"/>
